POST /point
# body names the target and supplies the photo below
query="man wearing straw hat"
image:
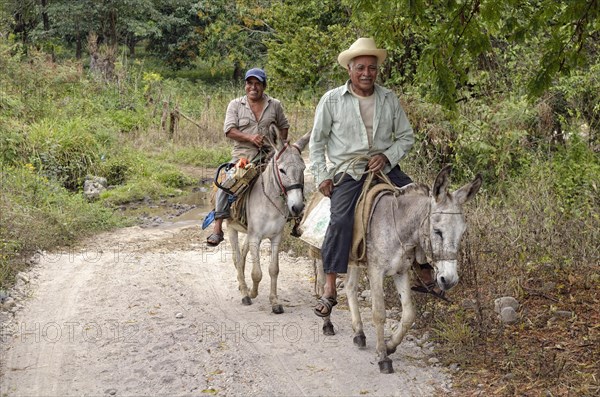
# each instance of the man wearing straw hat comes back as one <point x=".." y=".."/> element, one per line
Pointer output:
<point x="362" y="124"/>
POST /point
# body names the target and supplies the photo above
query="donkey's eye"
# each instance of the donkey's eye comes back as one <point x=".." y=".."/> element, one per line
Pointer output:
<point x="282" y="171"/>
<point x="438" y="232"/>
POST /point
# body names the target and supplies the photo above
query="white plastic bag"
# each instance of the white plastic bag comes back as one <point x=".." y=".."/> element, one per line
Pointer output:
<point x="316" y="223"/>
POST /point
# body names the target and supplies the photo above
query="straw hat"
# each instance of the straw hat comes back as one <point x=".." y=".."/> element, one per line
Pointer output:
<point x="362" y="46"/>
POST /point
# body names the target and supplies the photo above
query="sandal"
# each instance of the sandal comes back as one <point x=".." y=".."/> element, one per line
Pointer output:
<point x="431" y="288"/>
<point x="215" y="239"/>
<point x="325" y="303"/>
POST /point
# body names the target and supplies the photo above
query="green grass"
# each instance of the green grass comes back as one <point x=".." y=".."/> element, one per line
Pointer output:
<point x="198" y="156"/>
<point x="39" y="214"/>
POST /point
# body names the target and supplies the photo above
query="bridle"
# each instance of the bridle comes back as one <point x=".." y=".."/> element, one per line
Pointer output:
<point x="284" y="189"/>
<point x="426" y="236"/>
<point x="277" y="175"/>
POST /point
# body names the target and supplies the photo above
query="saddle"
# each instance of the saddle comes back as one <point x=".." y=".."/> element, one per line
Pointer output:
<point x="313" y="226"/>
<point x="241" y="186"/>
<point x="237" y="211"/>
<point x="362" y="216"/>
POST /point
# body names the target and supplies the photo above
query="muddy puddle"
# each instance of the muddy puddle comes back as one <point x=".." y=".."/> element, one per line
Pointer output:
<point x="190" y="207"/>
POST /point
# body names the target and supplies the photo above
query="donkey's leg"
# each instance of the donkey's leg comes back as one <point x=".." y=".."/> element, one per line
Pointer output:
<point x="239" y="260"/>
<point x="320" y="290"/>
<point x="408" y="311"/>
<point x="378" y="304"/>
<point x="351" y="294"/>
<point x="319" y="272"/>
<point x="274" y="274"/>
<point x="254" y="247"/>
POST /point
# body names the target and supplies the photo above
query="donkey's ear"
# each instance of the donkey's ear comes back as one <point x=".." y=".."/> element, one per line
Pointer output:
<point x="301" y="143"/>
<point x="276" y="134"/>
<point x="440" y="187"/>
<point x="468" y="191"/>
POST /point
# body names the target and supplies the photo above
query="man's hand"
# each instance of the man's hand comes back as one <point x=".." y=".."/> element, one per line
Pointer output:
<point x="377" y="162"/>
<point x="256" y="139"/>
<point x="326" y="187"/>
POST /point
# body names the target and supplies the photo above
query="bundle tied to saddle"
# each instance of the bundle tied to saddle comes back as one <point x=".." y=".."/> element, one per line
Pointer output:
<point x="239" y="187"/>
<point x="236" y="181"/>
<point x="242" y="177"/>
<point x="316" y="219"/>
<point x="241" y="184"/>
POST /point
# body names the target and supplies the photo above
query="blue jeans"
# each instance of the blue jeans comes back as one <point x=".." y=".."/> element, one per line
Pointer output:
<point x="222" y="205"/>
<point x="335" y="250"/>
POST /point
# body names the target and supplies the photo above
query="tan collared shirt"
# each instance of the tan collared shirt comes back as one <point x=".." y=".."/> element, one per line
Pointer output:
<point x="240" y="116"/>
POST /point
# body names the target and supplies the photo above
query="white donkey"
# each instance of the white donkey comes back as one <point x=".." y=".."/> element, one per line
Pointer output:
<point x="412" y="225"/>
<point x="277" y="195"/>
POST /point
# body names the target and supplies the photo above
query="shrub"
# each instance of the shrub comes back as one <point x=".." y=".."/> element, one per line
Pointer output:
<point x="129" y="120"/>
<point x="65" y="151"/>
<point x="174" y="179"/>
<point x="38" y="214"/>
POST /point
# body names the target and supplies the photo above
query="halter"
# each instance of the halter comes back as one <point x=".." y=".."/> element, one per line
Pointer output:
<point x="277" y="175"/>
<point x="425" y="238"/>
<point x="284" y="189"/>
<point x="428" y="249"/>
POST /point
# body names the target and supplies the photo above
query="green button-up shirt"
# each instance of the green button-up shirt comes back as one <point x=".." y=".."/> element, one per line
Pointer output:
<point x="340" y="133"/>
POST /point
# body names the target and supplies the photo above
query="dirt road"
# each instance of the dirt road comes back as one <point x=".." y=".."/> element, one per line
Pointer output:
<point x="142" y="312"/>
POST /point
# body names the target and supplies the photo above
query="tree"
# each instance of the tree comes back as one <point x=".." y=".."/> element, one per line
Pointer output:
<point x="307" y="37"/>
<point x="233" y="33"/>
<point x="450" y="42"/>
<point x="114" y="21"/>
<point x="176" y="34"/>
<point x="70" y="21"/>
<point x="21" y="16"/>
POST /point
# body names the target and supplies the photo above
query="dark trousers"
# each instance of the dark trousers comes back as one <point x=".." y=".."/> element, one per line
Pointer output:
<point x="335" y="250"/>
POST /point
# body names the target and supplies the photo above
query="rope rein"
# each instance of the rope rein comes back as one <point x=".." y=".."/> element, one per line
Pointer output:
<point x="364" y="203"/>
<point x="262" y="184"/>
<point x="277" y="176"/>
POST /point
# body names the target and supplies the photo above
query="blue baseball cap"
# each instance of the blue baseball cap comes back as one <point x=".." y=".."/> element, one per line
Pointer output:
<point x="258" y="73"/>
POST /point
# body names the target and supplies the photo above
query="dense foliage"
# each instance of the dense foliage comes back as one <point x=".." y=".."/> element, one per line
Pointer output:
<point x="449" y="50"/>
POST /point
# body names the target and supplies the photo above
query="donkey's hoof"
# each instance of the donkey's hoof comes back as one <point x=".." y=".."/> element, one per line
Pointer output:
<point x="360" y="340"/>
<point x="390" y="350"/>
<point x="328" y="329"/>
<point x="385" y="366"/>
<point x="246" y="301"/>
<point x="277" y="309"/>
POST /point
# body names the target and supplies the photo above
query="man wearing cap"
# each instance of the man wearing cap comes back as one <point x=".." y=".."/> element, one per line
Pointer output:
<point x="358" y="127"/>
<point x="247" y="122"/>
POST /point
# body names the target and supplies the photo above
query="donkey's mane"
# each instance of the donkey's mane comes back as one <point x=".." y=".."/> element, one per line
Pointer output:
<point x="416" y="189"/>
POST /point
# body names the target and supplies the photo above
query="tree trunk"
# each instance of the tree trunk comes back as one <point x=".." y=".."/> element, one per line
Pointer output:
<point x="45" y="18"/>
<point x="46" y="24"/>
<point x="78" y="46"/>
<point x="20" y="28"/>
<point x="131" y="42"/>
<point x="112" y="33"/>
<point x="238" y="73"/>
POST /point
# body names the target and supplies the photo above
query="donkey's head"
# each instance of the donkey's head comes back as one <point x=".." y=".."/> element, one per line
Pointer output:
<point x="289" y="171"/>
<point x="447" y="225"/>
